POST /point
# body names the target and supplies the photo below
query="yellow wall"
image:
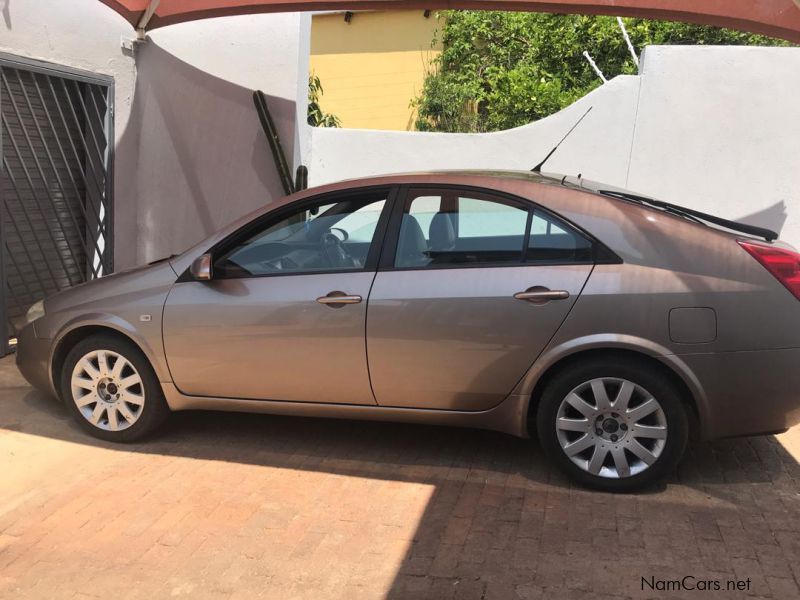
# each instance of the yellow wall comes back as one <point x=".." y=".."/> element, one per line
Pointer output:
<point x="372" y="67"/>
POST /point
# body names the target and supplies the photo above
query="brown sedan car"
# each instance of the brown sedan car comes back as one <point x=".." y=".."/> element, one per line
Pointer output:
<point x="607" y="322"/>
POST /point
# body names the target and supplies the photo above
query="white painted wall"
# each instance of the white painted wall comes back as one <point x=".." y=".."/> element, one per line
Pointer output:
<point x="719" y="128"/>
<point x="715" y="128"/>
<point x="83" y="34"/>
<point x="190" y="155"/>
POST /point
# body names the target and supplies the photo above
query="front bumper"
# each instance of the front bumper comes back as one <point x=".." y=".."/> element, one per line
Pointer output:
<point x="748" y="393"/>
<point x="33" y="359"/>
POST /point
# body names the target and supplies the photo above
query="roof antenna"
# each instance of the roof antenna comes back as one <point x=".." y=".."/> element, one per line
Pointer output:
<point x="538" y="168"/>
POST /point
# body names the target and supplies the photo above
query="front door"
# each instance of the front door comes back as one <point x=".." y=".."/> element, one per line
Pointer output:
<point x="476" y="289"/>
<point x="284" y="315"/>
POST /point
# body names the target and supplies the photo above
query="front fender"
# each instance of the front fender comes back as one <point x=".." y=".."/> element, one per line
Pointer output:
<point x="146" y="335"/>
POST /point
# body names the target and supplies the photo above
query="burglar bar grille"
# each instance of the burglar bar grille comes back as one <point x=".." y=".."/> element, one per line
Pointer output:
<point x="54" y="185"/>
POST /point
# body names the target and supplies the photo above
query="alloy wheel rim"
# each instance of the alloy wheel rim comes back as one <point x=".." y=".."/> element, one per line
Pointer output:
<point x="108" y="390"/>
<point x="611" y="427"/>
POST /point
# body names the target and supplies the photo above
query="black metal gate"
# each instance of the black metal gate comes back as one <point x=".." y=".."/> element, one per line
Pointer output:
<point x="55" y="183"/>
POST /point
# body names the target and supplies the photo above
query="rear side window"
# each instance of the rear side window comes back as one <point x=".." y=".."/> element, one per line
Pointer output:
<point x="482" y="219"/>
<point x="455" y="229"/>
<point x="452" y="228"/>
<point x="552" y="241"/>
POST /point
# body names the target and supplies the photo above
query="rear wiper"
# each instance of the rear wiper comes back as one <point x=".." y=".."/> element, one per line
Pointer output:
<point x="694" y="215"/>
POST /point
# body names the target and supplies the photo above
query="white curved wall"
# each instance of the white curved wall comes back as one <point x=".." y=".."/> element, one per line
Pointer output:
<point x="599" y="146"/>
<point x="719" y="128"/>
<point x="715" y="128"/>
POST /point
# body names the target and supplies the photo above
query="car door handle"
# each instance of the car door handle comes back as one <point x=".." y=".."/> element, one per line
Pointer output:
<point x="335" y="299"/>
<point x="540" y="295"/>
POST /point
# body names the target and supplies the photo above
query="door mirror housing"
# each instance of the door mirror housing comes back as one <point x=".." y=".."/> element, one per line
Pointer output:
<point x="201" y="268"/>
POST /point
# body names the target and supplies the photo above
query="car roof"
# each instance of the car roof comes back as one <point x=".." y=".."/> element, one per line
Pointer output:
<point x="445" y="174"/>
<point x="455" y="176"/>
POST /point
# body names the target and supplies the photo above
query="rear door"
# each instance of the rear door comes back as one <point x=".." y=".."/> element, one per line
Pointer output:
<point x="472" y="286"/>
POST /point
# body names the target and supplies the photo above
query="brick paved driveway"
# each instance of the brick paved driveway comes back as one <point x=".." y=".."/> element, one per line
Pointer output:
<point x="241" y="506"/>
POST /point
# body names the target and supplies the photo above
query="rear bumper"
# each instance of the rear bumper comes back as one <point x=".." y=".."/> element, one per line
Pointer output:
<point x="747" y="393"/>
<point x="33" y="359"/>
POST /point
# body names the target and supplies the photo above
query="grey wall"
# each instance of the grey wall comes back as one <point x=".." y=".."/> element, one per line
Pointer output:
<point x="201" y="157"/>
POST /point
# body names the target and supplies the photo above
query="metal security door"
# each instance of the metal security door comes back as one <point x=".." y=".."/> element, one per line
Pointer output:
<point x="55" y="183"/>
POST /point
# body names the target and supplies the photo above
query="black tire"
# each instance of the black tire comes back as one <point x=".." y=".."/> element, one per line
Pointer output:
<point x="154" y="409"/>
<point x="638" y="372"/>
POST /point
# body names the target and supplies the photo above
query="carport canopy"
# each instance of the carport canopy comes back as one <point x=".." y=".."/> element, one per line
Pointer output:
<point x="776" y="18"/>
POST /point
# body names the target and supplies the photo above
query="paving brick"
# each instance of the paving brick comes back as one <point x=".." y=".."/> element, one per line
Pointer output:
<point x="246" y="506"/>
<point x="783" y="587"/>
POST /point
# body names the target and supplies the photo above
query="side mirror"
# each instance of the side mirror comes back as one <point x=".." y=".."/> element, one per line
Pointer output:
<point x="201" y="269"/>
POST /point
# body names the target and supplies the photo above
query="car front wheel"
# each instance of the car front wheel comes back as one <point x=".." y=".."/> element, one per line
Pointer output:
<point x="111" y="389"/>
<point x="613" y="424"/>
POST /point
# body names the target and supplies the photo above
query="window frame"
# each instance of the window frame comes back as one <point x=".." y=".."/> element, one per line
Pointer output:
<point x="271" y="217"/>
<point x="601" y="254"/>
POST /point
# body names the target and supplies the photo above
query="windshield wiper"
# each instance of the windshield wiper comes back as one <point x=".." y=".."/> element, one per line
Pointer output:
<point x="694" y="215"/>
<point x="162" y="259"/>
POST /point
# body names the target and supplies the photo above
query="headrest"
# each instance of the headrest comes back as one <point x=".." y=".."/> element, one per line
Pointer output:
<point x="412" y="248"/>
<point x="442" y="232"/>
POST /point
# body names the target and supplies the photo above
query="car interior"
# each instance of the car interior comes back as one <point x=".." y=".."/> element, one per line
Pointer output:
<point x="476" y="230"/>
<point x="438" y="229"/>
<point x="321" y="238"/>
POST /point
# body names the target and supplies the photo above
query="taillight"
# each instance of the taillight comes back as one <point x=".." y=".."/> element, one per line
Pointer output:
<point x="783" y="264"/>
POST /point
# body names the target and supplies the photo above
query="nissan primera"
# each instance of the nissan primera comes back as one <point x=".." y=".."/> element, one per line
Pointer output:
<point x="608" y="323"/>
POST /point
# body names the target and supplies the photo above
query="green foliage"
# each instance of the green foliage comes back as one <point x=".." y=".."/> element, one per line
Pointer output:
<point x="316" y="116"/>
<point x="504" y="69"/>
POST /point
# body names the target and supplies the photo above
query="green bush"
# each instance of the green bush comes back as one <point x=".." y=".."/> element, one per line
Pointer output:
<point x="504" y="69"/>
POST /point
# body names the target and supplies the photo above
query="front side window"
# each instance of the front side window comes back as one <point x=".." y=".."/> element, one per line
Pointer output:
<point x="329" y="236"/>
<point x="459" y="228"/>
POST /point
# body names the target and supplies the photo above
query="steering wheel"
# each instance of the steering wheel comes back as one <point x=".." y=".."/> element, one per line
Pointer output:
<point x="345" y="235"/>
<point x="334" y="252"/>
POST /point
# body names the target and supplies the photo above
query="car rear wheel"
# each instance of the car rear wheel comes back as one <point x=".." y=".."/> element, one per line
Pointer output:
<point x="111" y="389"/>
<point x="613" y="424"/>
